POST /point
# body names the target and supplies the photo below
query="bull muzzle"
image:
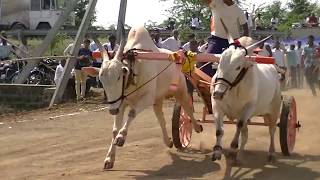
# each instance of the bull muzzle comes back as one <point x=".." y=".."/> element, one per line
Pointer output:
<point x="114" y="111"/>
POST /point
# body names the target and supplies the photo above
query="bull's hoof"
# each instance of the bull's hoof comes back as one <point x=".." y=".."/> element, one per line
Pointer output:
<point x="198" y="128"/>
<point x="119" y="141"/>
<point x="271" y="158"/>
<point x="170" y="144"/>
<point x="216" y="156"/>
<point x="108" y="165"/>
<point x="217" y="153"/>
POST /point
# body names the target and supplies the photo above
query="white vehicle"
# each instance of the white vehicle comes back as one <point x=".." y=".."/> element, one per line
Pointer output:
<point x="32" y="14"/>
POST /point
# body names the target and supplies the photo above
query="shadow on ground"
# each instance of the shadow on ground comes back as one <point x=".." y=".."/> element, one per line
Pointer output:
<point x="255" y="166"/>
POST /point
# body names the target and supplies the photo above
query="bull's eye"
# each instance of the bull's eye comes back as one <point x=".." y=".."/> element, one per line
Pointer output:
<point x="238" y="68"/>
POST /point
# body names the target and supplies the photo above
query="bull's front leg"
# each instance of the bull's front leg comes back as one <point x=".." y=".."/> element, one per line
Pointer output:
<point x="134" y="110"/>
<point x="247" y="112"/>
<point x="111" y="155"/>
<point x="218" y="118"/>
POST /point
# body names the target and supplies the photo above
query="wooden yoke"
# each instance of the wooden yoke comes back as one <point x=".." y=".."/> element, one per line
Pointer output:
<point x="202" y="57"/>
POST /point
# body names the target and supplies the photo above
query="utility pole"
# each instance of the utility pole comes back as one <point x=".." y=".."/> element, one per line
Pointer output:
<point x="121" y="19"/>
<point x="71" y="61"/>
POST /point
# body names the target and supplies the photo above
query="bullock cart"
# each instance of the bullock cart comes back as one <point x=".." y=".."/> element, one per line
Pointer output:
<point x="181" y="122"/>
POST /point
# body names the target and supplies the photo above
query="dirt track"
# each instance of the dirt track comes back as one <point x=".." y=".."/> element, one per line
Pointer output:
<point x="35" y="146"/>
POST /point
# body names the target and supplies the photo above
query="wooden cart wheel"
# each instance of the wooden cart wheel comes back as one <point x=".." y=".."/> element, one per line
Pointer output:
<point x="288" y="125"/>
<point x="181" y="127"/>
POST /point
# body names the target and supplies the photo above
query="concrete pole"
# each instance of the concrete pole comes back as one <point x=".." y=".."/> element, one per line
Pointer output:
<point x="121" y="19"/>
<point x="45" y="44"/>
<point x="71" y="62"/>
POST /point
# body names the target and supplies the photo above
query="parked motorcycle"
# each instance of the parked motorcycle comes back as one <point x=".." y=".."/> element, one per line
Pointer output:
<point x="43" y="74"/>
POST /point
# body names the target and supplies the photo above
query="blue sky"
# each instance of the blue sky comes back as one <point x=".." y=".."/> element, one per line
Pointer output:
<point x="140" y="11"/>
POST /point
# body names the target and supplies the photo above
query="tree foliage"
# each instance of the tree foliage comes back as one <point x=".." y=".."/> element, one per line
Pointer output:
<point x="80" y="10"/>
<point x="293" y="11"/>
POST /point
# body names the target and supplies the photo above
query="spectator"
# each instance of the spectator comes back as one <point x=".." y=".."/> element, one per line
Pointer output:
<point x="299" y="65"/>
<point x="262" y="51"/>
<point x="221" y="22"/>
<point x="83" y="60"/>
<point x="312" y="20"/>
<point x="186" y="46"/>
<point x="195" y="23"/>
<point x="111" y="45"/>
<point x="258" y="22"/>
<point x="278" y="55"/>
<point x="59" y="72"/>
<point x="292" y="61"/>
<point x="268" y="48"/>
<point x="249" y="19"/>
<point x="172" y="43"/>
<point x="93" y="46"/>
<point x="309" y="61"/>
<point x="5" y="48"/>
<point x="274" y="23"/>
<point x="157" y="39"/>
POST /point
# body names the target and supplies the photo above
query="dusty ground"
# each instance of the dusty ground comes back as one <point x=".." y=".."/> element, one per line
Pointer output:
<point x="70" y="142"/>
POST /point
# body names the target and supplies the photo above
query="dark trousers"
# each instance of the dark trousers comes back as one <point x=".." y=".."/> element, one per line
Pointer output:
<point x="293" y="76"/>
<point x="312" y="78"/>
<point x="216" y="45"/>
<point x="300" y="77"/>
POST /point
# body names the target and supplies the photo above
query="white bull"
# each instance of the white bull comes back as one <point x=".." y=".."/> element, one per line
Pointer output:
<point x="115" y="76"/>
<point x="243" y="89"/>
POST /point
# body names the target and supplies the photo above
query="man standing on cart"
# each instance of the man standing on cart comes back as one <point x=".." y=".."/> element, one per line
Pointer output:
<point x="227" y="18"/>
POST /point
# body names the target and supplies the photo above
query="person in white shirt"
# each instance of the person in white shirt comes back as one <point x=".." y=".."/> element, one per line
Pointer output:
<point x="59" y="72"/>
<point x="274" y="23"/>
<point x="172" y="43"/>
<point x="279" y="57"/>
<point x="186" y="46"/>
<point x="227" y="19"/>
<point x="194" y="24"/>
<point x="300" y="79"/>
<point x="111" y="45"/>
<point x="93" y="46"/>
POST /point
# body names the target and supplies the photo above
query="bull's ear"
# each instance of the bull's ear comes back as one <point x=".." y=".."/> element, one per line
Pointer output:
<point x="91" y="71"/>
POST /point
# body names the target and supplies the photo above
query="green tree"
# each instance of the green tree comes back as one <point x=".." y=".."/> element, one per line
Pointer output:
<point x="182" y="11"/>
<point x="273" y="10"/>
<point x="80" y="10"/>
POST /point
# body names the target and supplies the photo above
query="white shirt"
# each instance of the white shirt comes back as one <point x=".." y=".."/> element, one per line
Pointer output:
<point x="299" y="55"/>
<point x="107" y="46"/>
<point x="232" y="17"/>
<point x="93" y="46"/>
<point x="279" y="57"/>
<point x="171" y="44"/>
<point x="195" y="22"/>
<point x="58" y="74"/>
<point x="274" y="20"/>
<point x="186" y="46"/>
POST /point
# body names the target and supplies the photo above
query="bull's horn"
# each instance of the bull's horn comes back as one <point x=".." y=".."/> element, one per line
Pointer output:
<point x="255" y="45"/>
<point x="122" y="43"/>
<point x="101" y="48"/>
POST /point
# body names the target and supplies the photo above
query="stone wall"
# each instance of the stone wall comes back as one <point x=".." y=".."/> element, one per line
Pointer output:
<point x="24" y="96"/>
